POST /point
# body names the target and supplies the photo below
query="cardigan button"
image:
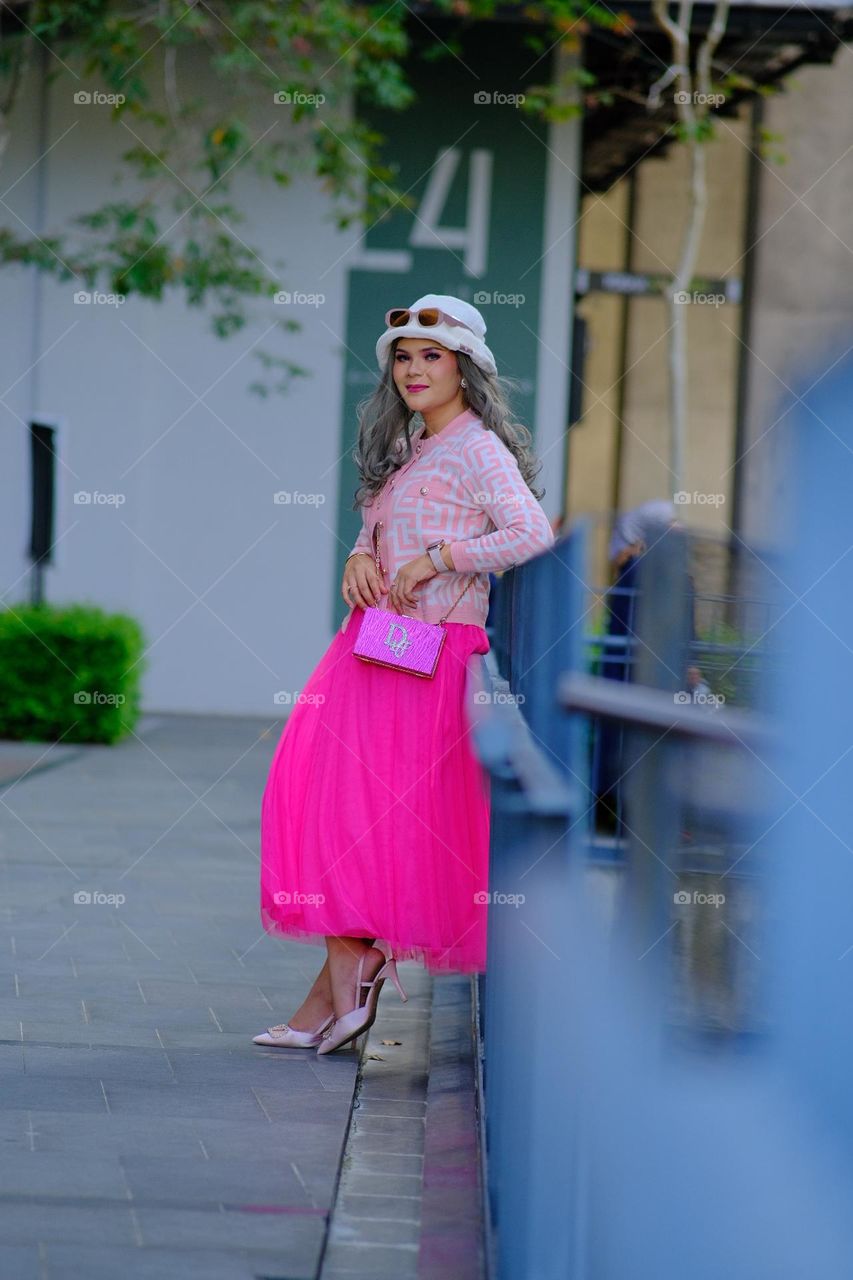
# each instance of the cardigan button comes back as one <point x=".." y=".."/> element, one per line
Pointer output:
<point x="424" y="488"/>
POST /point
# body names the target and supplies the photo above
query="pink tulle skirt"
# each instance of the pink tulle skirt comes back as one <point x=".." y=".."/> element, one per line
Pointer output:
<point x="375" y="814"/>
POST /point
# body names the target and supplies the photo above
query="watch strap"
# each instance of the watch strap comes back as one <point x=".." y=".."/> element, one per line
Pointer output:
<point x="434" y="553"/>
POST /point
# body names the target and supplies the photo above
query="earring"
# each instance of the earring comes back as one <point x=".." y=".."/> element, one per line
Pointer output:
<point x="463" y="383"/>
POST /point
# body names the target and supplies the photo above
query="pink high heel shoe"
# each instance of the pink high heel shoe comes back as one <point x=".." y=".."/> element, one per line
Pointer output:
<point x="363" y="1016"/>
<point x="285" y="1037"/>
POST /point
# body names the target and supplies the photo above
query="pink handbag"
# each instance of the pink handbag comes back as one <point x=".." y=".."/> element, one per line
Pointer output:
<point x="395" y="640"/>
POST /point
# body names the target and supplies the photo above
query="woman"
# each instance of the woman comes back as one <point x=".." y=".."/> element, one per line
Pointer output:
<point x="375" y="816"/>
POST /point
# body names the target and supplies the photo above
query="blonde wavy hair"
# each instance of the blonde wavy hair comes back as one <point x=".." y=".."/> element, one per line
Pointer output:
<point x="384" y="419"/>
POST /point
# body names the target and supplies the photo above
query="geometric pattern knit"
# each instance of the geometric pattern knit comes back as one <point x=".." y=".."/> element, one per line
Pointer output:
<point x="462" y="484"/>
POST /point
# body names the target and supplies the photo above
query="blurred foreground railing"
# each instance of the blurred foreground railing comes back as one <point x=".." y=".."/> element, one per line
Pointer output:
<point x="659" y="1094"/>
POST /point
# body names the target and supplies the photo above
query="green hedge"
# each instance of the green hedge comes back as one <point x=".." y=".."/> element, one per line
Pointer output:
<point x="69" y="672"/>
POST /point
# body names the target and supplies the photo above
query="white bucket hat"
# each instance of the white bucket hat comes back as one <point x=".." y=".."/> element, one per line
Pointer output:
<point x="465" y="336"/>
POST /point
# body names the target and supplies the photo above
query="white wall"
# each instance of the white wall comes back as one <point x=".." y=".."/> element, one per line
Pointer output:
<point x="198" y="478"/>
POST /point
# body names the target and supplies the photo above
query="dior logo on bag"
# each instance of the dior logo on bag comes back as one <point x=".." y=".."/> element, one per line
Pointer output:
<point x="413" y="646"/>
<point x="397" y="644"/>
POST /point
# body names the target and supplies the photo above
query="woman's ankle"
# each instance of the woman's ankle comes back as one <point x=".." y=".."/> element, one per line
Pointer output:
<point x="311" y="1013"/>
<point x="345" y="978"/>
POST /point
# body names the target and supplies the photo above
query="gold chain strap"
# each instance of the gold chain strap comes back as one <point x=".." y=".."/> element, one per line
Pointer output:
<point x="376" y="554"/>
<point x="381" y="571"/>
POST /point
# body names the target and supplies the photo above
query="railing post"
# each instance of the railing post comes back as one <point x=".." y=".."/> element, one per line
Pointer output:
<point x="539" y="788"/>
<point x="652" y="810"/>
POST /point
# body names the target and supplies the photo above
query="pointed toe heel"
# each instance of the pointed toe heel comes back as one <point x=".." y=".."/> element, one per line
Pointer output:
<point x="285" y="1037"/>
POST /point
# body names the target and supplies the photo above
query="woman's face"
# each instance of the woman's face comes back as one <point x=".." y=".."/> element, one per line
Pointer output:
<point x="426" y="374"/>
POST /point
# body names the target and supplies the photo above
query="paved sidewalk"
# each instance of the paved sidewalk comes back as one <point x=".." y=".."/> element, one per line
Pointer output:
<point x="142" y="1134"/>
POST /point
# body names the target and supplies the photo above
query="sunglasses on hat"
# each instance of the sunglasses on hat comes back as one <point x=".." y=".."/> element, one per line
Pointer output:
<point x="426" y="317"/>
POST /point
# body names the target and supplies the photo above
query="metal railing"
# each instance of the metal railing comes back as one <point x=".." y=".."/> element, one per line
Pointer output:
<point x="630" y="1018"/>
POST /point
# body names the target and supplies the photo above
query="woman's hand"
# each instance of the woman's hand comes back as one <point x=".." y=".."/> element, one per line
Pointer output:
<point x="362" y="584"/>
<point x="408" y="576"/>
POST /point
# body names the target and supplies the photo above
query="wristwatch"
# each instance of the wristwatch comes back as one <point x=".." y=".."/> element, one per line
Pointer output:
<point x="434" y="553"/>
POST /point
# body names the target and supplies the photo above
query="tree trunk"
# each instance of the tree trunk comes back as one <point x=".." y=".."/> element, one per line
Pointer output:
<point x="692" y="96"/>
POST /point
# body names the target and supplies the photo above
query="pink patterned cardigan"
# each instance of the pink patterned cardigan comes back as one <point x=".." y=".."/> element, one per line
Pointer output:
<point x="462" y="484"/>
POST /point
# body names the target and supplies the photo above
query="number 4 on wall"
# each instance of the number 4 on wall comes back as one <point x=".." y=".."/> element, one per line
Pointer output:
<point x="427" y="231"/>
<point x="473" y="238"/>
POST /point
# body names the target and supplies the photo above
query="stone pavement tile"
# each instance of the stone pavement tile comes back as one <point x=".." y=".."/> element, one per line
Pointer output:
<point x="220" y="1065"/>
<point x="77" y="1262"/>
<point x="34" y="982"/>
<point x="89" y="1262"/>
<point x="56" y="964"/>
<point x="382" y="1105"/>
<point x="48" y="1173"/>
<point x="93" y="1136"/>
<point x="56" y="1093"/>
<point x="374" y="1261"/>
<point x="403" y="1086"/>
<point x="374" y="1226"/>
<point x="176" y="1037"/>
<point x="33" y="946"/>
<point x="130" y="1098"/>
<point x="281" y="1104"/>
<point x="452" y="1232"/>
<point x="369" y="1183"/>
<point x="334" y="1084"/>
<point x="276" y="1068"/>
<point x="317" y="1175"/>
<point x="11" y="1059"/>
<point x="390" y="1162"/>
<point x="20" y="1262"/>
<point x="317" y="1137"/>
<point x="43" y="1221"/>
<point x="37" y="1031"/>
<point x="362" y="1204"/>
<point x="270" y="1182"/>
<point x="298" y="1235"/>
<point x="408" y="1271"/>
<point x="13" y="1131"/>
<point x="57" y="1010"/>
<point x="202" y="971"/>
<point x="119" y="1012"/>
<point x="98" y="1063"/>
<point x="122" y="972"/>
<point x="137" y="1025"/>
<point x="369" y="1231"/>
<point x="397" y="1133"/>
<point x="281" y="1076"/>
<point x="179" y="992"/>
<point x="310" y="1141"/>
